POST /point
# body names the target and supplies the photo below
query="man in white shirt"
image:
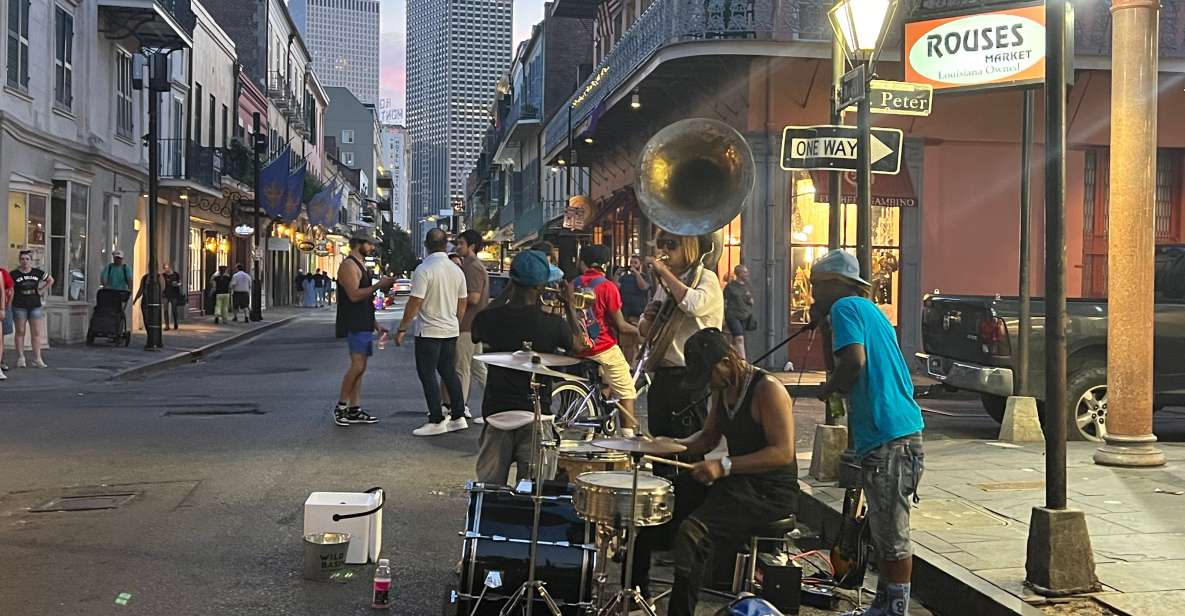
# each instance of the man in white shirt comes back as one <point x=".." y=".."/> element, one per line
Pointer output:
<point x="436" y="306"/>
<point x="240" y="289"/>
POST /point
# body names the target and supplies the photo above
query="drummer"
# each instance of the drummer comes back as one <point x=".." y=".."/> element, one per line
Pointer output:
<point x="506" y="437"/>
<point x="752" y="486"/>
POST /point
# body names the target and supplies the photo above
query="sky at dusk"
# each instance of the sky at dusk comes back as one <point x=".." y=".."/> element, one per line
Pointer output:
<point x="392" y="45"/>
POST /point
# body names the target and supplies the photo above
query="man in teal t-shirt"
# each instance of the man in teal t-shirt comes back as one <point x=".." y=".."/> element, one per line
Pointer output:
<point x="117" y="274"/>
<point x="885" y="421"/>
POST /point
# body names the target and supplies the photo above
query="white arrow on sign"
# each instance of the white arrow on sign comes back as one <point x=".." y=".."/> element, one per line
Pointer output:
<point x="836" y="147"/>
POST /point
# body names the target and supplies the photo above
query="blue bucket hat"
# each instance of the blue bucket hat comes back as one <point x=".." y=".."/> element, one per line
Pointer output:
<point x="530" y="268"/>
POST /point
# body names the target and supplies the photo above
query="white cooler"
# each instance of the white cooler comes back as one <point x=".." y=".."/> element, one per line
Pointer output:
<point x="366" y="532"/>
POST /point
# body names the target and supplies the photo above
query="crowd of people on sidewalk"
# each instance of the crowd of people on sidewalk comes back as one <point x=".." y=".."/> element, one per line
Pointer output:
<point x="314" y="290"/>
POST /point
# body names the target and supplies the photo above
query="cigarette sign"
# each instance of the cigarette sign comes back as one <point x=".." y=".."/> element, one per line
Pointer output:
<point x="996" y="48"/>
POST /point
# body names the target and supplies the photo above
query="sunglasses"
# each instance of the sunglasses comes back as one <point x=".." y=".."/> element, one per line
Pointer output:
<point x="667" y="243"/>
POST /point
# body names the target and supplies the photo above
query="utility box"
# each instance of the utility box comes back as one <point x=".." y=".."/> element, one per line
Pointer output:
<point x="366" y="531"/>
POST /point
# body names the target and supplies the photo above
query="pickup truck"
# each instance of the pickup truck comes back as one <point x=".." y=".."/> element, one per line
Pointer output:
<point x="969" y="340"/>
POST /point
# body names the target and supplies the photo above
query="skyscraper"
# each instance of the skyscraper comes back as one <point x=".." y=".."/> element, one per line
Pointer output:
<point x="343" y="38"/>
<point x="456" y="52"/>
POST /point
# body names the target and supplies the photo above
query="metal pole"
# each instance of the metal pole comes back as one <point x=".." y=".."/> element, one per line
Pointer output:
<point x="1021" y="383"/>
<point x="864" y="187"/>
<point x="835" y="178"/>
<point x="154" y="338"/>
<point x="257" y="287"/>
<point x="1055" y="255"/>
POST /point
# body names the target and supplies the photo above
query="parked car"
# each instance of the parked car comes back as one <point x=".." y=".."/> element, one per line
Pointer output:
<point x="402" y="286"/>
<point x="969" y="341"/>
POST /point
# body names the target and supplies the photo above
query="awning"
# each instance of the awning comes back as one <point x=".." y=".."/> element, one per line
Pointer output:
<point x="887" y="190"/>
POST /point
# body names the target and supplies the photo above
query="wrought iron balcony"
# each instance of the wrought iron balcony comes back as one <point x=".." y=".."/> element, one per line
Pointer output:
<point x="279" y="90"/>
<point x="667" y="22"/>
<point x="160" y="24"/>
<point x="183" y="162"/>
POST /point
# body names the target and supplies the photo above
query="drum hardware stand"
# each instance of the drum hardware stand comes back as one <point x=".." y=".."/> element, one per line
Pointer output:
<point x="531" y="586"/>
<point x="626" y="596"/>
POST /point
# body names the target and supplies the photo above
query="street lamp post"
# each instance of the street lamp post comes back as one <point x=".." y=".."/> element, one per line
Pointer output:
<point x="861" y="27"/>
<point x="258" y="143"/>
<point x="158" y="81"/>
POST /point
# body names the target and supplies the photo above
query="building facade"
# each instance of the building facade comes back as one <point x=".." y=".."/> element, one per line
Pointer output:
<point x="343" y="37"/>
<point x="396" y="152"/>
<point x="456" y="51"/>
<point x="73" y="171"/>
<point x="356" y="127"/>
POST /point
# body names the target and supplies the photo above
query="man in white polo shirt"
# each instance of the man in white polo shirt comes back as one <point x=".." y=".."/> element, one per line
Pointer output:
<point x="436" y="306"/>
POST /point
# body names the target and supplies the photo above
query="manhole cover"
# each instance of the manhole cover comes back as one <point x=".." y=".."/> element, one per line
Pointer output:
<point x="87" y="502"/>
<point x="1004" y="486"/>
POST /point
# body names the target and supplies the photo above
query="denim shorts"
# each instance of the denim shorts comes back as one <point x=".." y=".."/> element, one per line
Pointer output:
<point x="361" y="343"/>
<point x="28" y="314"/>
<point x="890" y="475"/>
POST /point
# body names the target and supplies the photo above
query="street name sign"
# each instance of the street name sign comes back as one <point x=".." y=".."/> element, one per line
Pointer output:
<point x="901" y="98"/>
<point x="853" y="87"/>
<point x="829" y="147"/>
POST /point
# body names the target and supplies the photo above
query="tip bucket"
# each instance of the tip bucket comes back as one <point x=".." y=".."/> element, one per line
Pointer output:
<point x="324" y="553"/>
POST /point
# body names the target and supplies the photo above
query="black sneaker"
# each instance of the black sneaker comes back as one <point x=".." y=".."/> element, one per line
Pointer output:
<point x="356" y="415"/>
<point x="339" y="415"/>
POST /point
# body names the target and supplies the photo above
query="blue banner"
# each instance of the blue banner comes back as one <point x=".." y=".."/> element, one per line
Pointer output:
<point x="322" y="209"/>
<point x="294" y="195"/>
<point x="273" y="184"/>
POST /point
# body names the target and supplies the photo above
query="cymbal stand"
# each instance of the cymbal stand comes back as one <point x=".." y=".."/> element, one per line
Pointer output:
<point x="626" y="596"/>
<point x="532" y="585"/>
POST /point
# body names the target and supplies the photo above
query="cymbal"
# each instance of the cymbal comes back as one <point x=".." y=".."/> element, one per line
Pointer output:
<point x="640" y="444"/>
<point x="550" y="360"/>
<point x="521" y="364"/>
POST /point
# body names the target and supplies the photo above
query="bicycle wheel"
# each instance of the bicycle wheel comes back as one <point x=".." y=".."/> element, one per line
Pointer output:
<point x="570" y="401"/>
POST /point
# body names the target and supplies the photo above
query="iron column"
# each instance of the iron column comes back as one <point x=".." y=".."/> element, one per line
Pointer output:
<point x="1021" y="383"/>
<point x="158" y="78"/>
<point x="864" y="186"/>
<point x="257" y="287"/>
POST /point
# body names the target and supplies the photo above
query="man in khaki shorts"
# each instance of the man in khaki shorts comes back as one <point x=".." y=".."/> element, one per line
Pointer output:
<point x="605" y="323"/>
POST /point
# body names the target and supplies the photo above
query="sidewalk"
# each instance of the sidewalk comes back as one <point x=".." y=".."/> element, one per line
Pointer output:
<point x="70" y="364"/>
<point x="971" y="527"/>
<point x="807" y="382"/>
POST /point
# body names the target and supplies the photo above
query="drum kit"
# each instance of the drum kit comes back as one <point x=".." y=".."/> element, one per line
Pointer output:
<point x="576" y="526"/>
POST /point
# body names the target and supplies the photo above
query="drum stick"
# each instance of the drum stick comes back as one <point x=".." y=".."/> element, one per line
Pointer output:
<point x="669" y="462"/>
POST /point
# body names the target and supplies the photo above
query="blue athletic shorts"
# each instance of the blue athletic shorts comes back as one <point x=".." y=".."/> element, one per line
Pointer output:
<point x="361" y="343"/>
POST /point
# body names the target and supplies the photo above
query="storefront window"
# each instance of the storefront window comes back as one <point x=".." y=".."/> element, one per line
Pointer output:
<point x="196" y="272"/>
<point x="79" y="208"/>
<point x="808" y="241"/>
<point x="731" y="256"/>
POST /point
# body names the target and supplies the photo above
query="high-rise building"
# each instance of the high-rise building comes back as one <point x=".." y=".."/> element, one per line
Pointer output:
<point x="343" y="38"/>
<point x="456" y="52"/>
<point x="396" y="150"/>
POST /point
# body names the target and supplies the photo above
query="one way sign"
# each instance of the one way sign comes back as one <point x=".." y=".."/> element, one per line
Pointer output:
<point x="834" y="147"/>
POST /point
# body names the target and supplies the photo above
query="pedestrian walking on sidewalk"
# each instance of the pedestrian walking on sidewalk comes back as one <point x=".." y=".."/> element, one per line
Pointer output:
<point x="141" y="292"/>
<point x="116" y="275"/>
<point x="738" y="309"/>
<point x="866" y="366"/>
<point x="6" y="326"/>
<point x="28" y="284"/>
<point x="174" y="296"/>
<point x="240" y="289"/>
<point x="220" y="286"/>
<point x="309" y="285"/>
<point x="298" y="288"/>
<point x="436" y="306"/>
<point x="356" y="323"/>
<point x="321" y="281"/>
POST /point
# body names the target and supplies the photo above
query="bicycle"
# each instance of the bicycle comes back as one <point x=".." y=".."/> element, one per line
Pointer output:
<point x="584" y="405"/>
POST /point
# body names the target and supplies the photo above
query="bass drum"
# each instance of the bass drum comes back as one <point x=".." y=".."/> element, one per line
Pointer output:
<point x="497" y="538"/>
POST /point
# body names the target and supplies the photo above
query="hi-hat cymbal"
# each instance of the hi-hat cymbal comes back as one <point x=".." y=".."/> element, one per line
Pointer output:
<point x="640" y="444"/>
<point x="550" y="360"/>
<point x="524" y="363"/>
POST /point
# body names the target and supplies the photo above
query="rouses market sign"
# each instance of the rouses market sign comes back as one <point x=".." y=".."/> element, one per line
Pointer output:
<point x="1004" y="47"/>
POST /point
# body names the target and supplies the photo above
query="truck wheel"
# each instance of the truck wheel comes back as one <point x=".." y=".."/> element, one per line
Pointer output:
<point x="994" y="405"/>
<point x="1086" y="399"/>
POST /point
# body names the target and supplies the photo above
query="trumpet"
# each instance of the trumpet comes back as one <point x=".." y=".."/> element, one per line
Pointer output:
<point x="553" y="297"/>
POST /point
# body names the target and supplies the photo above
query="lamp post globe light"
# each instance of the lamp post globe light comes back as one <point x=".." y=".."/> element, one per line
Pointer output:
<point x="861" y="27"/>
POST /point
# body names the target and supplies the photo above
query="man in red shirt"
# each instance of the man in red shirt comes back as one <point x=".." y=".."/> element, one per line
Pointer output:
<point x="605" y="323"/>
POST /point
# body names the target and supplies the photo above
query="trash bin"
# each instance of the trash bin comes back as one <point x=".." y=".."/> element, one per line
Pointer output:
<point x="324" y="553"/>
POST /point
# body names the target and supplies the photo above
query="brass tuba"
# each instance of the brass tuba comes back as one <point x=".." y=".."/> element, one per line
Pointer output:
<point x="694" y="177"/>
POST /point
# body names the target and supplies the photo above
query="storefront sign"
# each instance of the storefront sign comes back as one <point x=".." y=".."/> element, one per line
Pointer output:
<point x="999" y="48"/>
<point x="306" y="246"/>
<point x="901" y="98"/>
<point x="834" y="147"/>
<point x="577" y="213"/>
<point x="244" y="230"/>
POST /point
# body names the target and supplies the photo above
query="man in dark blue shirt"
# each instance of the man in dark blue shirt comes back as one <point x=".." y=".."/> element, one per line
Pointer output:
<point x="886" y="423"/>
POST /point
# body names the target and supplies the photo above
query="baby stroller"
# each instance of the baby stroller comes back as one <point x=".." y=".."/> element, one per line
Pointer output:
<point x="109" y="319"/>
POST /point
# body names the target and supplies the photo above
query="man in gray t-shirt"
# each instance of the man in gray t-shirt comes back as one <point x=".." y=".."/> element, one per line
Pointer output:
<point x="477" y="284"/>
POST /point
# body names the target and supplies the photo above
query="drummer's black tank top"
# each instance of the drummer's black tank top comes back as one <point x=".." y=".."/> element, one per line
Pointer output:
<point x="355" y="316"/>
<point x="746" y="436"/>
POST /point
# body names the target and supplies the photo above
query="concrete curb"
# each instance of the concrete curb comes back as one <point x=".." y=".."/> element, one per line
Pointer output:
<point x="940" y="584"/>
<point x="185" y="357"/>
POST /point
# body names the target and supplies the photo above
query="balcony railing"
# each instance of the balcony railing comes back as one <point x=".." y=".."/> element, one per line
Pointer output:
<point x="520" y="110"/>
<point x="279" y="90"/>
<point x="180" y="160"/>
<point x="553" y="209"/>
<point x="666" y="22"/>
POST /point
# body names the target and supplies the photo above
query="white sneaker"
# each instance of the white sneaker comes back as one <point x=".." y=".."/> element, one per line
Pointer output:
<point x="433" y="429"/>
<point x="39" y="363"/>
<point x="2" y="377"/>
<point x="20" y="361"/>
<point x="477" y="420"/>
<point x="453" y="425"/>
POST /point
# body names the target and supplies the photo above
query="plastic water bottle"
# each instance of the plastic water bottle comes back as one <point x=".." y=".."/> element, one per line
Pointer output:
<point x="382" y="585"/>
<point x="382" y="342"/>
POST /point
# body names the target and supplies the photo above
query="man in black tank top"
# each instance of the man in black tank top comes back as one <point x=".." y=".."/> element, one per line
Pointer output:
<point x="756" y="483"/>
<point x="356" y="323"/>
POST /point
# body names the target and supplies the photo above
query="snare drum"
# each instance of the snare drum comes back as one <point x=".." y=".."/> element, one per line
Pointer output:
<point x="579" y="457"/>
<point x="604" y="498"/>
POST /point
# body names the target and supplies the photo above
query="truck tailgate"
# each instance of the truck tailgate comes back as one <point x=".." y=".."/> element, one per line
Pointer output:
<point x="950" y="327"/>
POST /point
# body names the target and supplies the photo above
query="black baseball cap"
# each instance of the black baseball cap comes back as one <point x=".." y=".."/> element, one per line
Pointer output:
<point x="703" y="350"/>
